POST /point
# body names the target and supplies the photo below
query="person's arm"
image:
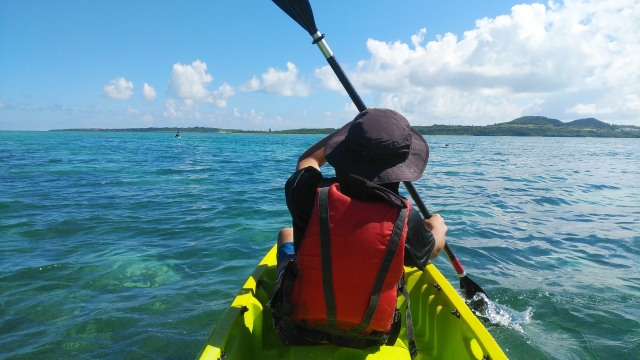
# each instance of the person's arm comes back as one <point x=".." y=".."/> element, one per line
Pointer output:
<point x="314" y="156"/>
<point x="438" y="228"/>
<point x="421" y="244"/>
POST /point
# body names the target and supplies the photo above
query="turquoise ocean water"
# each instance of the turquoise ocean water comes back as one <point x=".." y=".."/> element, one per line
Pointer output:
<point x="131" y="245"/>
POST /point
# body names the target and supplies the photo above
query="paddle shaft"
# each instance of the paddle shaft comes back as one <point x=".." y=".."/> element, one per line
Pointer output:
<point x="318" y="39"/>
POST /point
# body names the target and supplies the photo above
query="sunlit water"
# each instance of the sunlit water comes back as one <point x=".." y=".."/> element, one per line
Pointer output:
<point x="493" y="313"/>
<point x="131" y="245"/>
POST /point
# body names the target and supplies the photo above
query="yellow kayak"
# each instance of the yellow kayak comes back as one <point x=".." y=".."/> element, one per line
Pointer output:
<point x="445" y="328"/>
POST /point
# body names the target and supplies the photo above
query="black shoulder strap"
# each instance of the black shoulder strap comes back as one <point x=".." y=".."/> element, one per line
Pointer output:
<point x="389" y="255"/>
<point x="288" y="279"/>
<point x="325" y="254"/>
<point x="411" y="337"/>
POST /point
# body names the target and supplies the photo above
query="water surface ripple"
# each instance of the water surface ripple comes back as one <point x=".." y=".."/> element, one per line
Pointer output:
<point x="131" y="245"/>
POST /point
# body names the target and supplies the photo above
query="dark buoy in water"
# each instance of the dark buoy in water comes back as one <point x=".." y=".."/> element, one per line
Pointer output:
<point x="446" y="144"/>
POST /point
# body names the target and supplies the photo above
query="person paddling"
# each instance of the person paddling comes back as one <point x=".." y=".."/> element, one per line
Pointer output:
<point x="340" y="268"/>
<point x="178" y="134"/>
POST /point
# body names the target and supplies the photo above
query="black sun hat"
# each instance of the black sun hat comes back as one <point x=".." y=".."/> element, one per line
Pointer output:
<point x="380" y="146"/>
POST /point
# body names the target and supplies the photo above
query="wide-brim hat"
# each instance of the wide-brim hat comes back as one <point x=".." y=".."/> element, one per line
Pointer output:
<point x="380" y="146"/>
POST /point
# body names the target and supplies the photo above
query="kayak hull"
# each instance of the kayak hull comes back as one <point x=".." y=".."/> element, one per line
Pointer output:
<point x="245" y="330"/>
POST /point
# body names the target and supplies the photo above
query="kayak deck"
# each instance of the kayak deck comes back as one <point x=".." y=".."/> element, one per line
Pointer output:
<point x="245" y="330"/>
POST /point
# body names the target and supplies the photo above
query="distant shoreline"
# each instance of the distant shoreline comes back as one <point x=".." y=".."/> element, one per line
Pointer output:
<point x="539" y="126"/>
<point x="451" y="130"/>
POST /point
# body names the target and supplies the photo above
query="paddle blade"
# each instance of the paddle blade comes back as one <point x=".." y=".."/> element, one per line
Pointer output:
<point x="469" y="287"/>
<point x="300" y="11"/>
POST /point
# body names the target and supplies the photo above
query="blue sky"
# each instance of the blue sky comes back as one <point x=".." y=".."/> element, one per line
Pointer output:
<point x="80" y="64"/>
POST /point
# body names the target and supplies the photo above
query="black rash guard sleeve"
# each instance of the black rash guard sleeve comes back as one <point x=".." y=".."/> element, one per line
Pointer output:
<point x="419" y="243"/>
<point x="300" y="194"/>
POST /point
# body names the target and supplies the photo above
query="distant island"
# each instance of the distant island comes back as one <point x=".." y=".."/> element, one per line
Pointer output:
<point x="522" y="126"/>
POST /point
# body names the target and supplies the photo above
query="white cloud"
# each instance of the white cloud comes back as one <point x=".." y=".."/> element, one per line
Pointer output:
<point x="338" y="118"/>
<point x="132" y="111"/>
<point x="171" y="110"/>
<point x="329" y="79"/>
<point x="148" y="92"/>
<point x="631" y="103"/>
<point x="582" y="109"/>
<point x="220" y="96"/>
<point x="1" y="105"/>
<point x="189" y="83"/>
<point x="148" y="118"/>
<point x="350" y="108"/>
<point x="254" y="117"/>
<point x="511" y="64"/>
<point x="251" y="86"/>
<point x="118" y="88"/>
<point x="279" y="82"/>
<point x="186" y="108"/>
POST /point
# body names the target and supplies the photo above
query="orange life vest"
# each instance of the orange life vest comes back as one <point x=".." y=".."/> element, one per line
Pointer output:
<point x="349" y="264"/>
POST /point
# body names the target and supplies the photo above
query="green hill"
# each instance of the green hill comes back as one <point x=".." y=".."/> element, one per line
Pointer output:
<point x="537" y="126"/>
<point x="590" y="123"/>
<point x="534" y="120"/>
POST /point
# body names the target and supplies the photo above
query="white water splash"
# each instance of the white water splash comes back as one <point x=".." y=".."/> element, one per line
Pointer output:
<point x="497" y="314"/>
